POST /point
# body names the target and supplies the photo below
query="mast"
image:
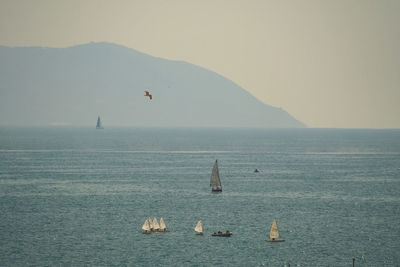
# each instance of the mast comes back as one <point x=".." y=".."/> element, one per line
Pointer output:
<point x="215" y="181"/>
<point x="274" y="232"/>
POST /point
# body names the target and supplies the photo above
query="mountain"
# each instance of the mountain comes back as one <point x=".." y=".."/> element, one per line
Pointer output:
<point x="72" y="86"/>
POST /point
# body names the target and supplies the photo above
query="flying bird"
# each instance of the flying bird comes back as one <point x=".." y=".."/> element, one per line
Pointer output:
<point x="148" y="94"/>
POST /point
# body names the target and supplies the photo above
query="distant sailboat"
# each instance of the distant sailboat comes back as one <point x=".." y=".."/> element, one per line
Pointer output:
<point x="163" y="227"/>
<point x="199" y="227"/>
<point x="156" y="227"/>
<point x="150" y="223"/>
<point x="221" y="234"/>
<point x="146" y="227"/>
<point x="99" y="125"/>
<point x="215" y="182"/>
<point x="274" y="233"/>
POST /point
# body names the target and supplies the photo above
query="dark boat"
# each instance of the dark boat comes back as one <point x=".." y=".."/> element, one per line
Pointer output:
<point x="221" y="234"/>
<point x="215" y="182"/>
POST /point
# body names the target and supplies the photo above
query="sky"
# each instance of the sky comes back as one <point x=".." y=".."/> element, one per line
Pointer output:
<point x="333" y="64"/>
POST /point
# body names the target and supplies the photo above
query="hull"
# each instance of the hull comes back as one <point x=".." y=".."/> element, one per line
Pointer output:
<point x="222" y="235"/>
<point x="278" y="240"/>
<point x="216" y="190"/>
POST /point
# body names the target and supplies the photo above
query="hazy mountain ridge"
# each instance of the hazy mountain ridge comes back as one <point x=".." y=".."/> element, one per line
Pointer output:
<point x="42" y="86"/>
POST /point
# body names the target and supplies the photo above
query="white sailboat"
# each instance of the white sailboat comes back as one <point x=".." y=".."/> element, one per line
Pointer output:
<point x="156" y="227"/>
<point x="146" y="227"/>
<point x="199" y="227"/>
<point x="215" y="181"/>
<point x="163" y="227"/>
<point x="150" y="224"/>
<point x="274" y="233"/>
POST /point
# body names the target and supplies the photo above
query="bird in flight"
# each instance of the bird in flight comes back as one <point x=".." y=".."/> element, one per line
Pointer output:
<point x="148" y="94"/>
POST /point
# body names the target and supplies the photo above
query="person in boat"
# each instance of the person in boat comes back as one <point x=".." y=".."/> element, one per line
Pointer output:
<point x="228" y="233"/>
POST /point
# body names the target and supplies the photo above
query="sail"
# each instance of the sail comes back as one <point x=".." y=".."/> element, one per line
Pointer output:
<point x="146" y="225"/>
<point x="150" y="223"/>
<point x="199" y="227"/>
<point x="162" y="224"/>
<point x="98" y="124"/>
<point x="155" y="224"/>
<point x="215" y="182"/>
<point x="274" y="233"/>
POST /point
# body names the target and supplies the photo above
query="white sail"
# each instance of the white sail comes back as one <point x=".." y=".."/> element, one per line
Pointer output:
<point x="215" y="182"/>
<point x="162" y="224"/>
<point x="146" y="225"/>
<point x="150" y="223"/>
<point x="155" y="224"/>
<point x="199" y="227"/>
<point x="274" y="232"/>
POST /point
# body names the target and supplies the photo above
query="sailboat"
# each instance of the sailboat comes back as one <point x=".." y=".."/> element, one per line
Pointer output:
<point x="163" y="227"/>
<point x="98" y="124"/>
<point x="215" y="182"/>
<point x="274" y="233"/>
<point x="156" y="227"/>
<point x="150" y="223"/>
<point x="146" y="227"/>
<point x="199" y="227"/>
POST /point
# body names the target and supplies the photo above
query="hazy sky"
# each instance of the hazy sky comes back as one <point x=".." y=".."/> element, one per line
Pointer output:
<point x="328" y="63"/>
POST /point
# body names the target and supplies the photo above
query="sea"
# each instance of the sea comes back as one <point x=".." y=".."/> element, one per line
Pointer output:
<point x="79" y="196"/>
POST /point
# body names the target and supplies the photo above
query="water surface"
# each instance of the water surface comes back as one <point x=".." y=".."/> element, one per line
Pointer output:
<point x="71" y="196"/>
